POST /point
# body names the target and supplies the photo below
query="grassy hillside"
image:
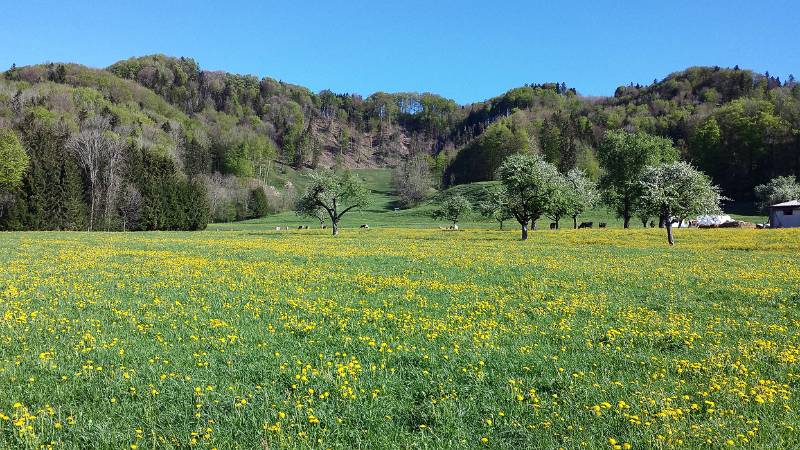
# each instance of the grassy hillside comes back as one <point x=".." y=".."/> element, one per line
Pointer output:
<point x="400" y="339"/>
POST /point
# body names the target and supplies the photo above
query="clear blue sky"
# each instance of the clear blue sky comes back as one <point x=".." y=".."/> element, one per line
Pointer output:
<point x="465" y="50"/>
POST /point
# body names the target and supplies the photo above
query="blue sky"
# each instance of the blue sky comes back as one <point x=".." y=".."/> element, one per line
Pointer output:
<point x="465" y="50"/>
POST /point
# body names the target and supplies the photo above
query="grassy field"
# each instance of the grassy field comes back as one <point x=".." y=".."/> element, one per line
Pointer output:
<point x="400" y="338"/>
<point x="381" y="210"/>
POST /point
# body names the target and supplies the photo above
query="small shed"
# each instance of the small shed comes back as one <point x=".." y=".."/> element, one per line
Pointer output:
<point x="785" y="215"/>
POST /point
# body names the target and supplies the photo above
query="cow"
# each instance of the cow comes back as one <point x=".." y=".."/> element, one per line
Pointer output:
<point x="602" y="225"/>
<point x="586" y="225"/>
<point x="365" y="226"/>
<point x="553" y="225"/>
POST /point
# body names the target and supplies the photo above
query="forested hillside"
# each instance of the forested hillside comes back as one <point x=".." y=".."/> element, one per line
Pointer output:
<point x="158" y="143"/>
<point x="739" y="127"/>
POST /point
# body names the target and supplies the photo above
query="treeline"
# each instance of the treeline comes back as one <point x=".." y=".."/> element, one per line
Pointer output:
<point x="229" y="138"/>
<point x="739" y="127"/>
<point x="300" y="125"/>
<point x="94" y="178"/>
<point x="93" y="162"/>
<point x="154" y="165"/>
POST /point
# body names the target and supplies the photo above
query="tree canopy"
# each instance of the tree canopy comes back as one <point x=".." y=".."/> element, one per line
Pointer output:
<point x="233" y="132"/>
<point x="582" y="194"/>
<point x="336" y="194"/>
<point x="677" y="191"/>
<point x="777" y="190"/>
<point x="529" y="184"/>
<point x="453" y="208"/>
<point x="624" y="157"/>
<point x="13" y="160"/>
<point x="495" y="206"/>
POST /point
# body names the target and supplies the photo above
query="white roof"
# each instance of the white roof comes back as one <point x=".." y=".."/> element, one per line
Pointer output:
<point x="786" y="204"/>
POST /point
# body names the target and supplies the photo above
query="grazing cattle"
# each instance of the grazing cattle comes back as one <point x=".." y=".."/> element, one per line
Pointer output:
<point x="300" y="227"/>
<point x="324" y="226"/>
<point x="586" y="225"/>
<point x="602" y="225"/>
<point x="553" y="225"/>
<point x="277" y="228"/>
<point x="364" y="225"/>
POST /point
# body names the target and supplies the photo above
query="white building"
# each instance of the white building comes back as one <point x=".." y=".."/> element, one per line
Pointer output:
<point x="785" y="215"/>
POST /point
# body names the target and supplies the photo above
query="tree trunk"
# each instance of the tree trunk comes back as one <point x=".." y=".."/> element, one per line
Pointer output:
<point x="501" y="225"/>
<point x="335" y="226"/>
<point x="91" y="208"/>
<point x="626" y="214"/>
<point x="524" y="231"/>
<point x="574" y="222"/>
<point x="669" y="234"/>
<point x="558" y="223"/>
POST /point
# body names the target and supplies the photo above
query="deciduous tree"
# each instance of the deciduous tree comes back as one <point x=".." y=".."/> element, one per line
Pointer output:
<point x="13" y="164"/>
<point x="778" y="190"/>
<point x="495" y="206"/>
<point x="453" y="208"/>
<point x="582" y="194"/>
<point x="99" y="152"/>
<point x="678" y="190"/>
<point x="624" y="156"/>
<point x="412" y="180"/>
<point x="13" y="160"/>
<point x="529" y="185"/>
<point x="336" y="194"/>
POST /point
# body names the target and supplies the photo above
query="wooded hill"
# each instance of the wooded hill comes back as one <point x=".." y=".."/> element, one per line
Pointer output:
<point x="189" y="145"/>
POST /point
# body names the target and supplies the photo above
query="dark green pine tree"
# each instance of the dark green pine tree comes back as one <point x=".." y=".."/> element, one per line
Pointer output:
<point x="72" y="206"/>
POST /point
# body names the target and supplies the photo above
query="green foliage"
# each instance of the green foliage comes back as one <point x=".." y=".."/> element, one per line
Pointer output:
<point x="13" y="160"/>
<point x="453" y="208"/>
<point x="336" y="194"/>
<point x="740" y="127"/>
<point x="168" y="201"/>
<point x="588" y="163"/>
<point x="755" y="143"/>
<point x="412" y="181"/>
<point x="624" y="157"/>
<point x="777" y="190"/>
<point x="573" y="195"/>
<point x="677" y="190"/>
<point x="530" y="184"/>
<point x="259" y="205"/>
<point x="50" y="195"/>
<point x="581" y="194"/>
<point x="706" y="149"/>
<point x="495" y="205"/>
<point x="481" y="158"/>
